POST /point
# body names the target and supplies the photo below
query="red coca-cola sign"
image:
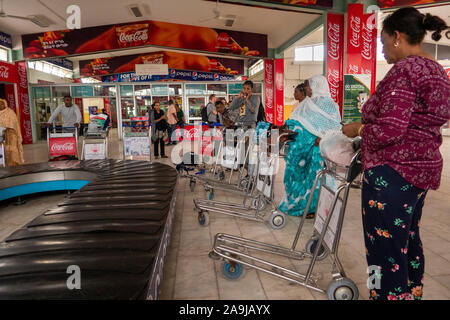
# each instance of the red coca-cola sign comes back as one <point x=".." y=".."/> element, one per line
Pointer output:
<point x="354" y="27"/>
<point x="335" y="55"/>
<point x="279" y="91"/>
<point x="62" y="147"/>
<point x="269" y="90"/>
<point x="7" y="72"/>
<point x="24" y="102"/>
<point x="369" y="47"/>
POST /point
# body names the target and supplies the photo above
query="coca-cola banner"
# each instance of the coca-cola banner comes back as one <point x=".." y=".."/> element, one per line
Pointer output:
<point x="62" y="147"/>
<point x="279" y="91"/>
<point x="403" y="3"/>
<point x="335" y="55"/>
<point x="354" y="46"/>
<point x="10" y="96"/>
<point x="269" y="68"/>
<point x="143" y="33"/>
<point x="175" y="60"/>
<point x="8" y="72"/>
<point x="24" y="102"/>
<point x="369" y="48"/>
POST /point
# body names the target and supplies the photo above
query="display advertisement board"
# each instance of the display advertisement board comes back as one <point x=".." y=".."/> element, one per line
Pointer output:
<point x="356" y="93"/>
<point x="137" y="145"/>
<point x="403" y="3"/>
<point x="335" y="56"/>
<point x="269" y="75"/>
<point x="174" y="60"/>
<point x="5" y="40"/>
<point x="24" y="102"/>
<point x="174" y="74"/>
<point x="323" y="210"/>
<point x="94" y="151"/>
<point x="279" y="91"/>
<point x="142" y="33"/>
<point x="354" y="46"/>
<point x="64" y="146"/>
<point x="369" y="48"/>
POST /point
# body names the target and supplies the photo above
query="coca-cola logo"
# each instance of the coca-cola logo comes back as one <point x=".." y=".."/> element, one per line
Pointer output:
<point x="367" y="43"/>
<point x="355" y="26"/>
<point x="140" y="35"/>
<point x="65" y="147"/>
<point x="223" y="37"/>
<point x="333" y="81"/>
<point x="333" y="41"/>
<point x="4" y="72"/>
<point x="22" y="72"/>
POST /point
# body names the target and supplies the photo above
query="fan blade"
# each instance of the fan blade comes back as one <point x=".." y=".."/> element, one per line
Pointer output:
<point x="16" y="17"/>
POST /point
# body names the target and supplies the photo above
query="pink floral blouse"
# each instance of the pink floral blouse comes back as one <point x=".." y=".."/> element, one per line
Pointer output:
<point x="403" y="119"/>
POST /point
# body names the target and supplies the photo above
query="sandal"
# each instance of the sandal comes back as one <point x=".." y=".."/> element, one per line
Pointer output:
<point x="310" y="215"/>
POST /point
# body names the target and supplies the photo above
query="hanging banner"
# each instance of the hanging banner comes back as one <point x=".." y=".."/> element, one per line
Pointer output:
<point x="174" y="60"/>
<point x="142" y="33"/>
<point x="24" y="102"/>
<point x="8" y="72"/>
<point x="354" y="46"/>
<point x="279" y="91"/>
<point x="269" y="90"/>
<point x="335" y="56"/>
<point x="369" y="48"/>
<point x="10" y="97"/>
<point x="356" y="93"/>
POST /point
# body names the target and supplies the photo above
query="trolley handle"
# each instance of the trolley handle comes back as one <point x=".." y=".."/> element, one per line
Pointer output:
<point x="135" y="126"/>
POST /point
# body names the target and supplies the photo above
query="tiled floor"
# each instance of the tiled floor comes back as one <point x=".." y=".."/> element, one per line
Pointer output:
<point x="190" y="274"/>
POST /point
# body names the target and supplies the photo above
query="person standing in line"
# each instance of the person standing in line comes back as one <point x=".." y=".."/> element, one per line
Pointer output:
<point x="13" y="136"/>
<point x="181" y="121"/>
<point x="211" y="110"/>
<point x="172" y="120"/>
<point x="70" y="114"/>
<point x="248" y="105"/>
<point x="160" y="131"/>
<point x="401" y="136"/>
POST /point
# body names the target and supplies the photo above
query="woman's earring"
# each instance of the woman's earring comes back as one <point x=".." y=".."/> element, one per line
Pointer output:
<point x="396" y="44"/>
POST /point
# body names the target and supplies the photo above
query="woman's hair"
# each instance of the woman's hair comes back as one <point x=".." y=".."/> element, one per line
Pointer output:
<point x="301" y="87"/>
<point x="414" y="24"/>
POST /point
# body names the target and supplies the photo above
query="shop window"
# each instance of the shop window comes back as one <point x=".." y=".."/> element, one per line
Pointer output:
<point x="126" y="90"/>
<point x="3" y="54"/>
<point x="304" y="54"/>
<point x="41" y="92"/>
<point x="257" y="88"/>
<point x="60" y="91"/>
<point x="196" y="89"/>
<point x="234" y="88"/>
<point x="195" y="106"/>
<point x="175" y="89"/>
<point x="142" y="90"/>
<point x="82" y="91"/>
<point x="318" y="53"/>
<point x="160" y="90"/>
<point x="217" y="89"/>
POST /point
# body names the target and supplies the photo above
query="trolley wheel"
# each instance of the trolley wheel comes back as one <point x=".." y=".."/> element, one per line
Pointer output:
<point x="192" y="185"/>
<point x="203" y="218"/>
<point x="213" y="255"/>
<point x="243" y="183"/>
<point x="311" y="247"/>
<point x="277" y="220"/>
<point x="232" y="271"/>
<point x="259" y="203"/>
<point x="343" y="289"/>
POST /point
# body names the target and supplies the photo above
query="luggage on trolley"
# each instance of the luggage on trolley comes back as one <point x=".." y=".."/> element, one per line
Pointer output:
<point x="137" y="141"/>
<point x="2" y="147"/>
<point x="237" y="252"/>
<point x="62" y="143"/>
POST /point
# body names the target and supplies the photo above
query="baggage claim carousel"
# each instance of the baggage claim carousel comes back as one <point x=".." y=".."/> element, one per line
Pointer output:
<point x="116" y="229"/>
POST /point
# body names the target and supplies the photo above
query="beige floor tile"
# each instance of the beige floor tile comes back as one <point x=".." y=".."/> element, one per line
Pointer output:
<point x="435" y="265"/>
<point x="443" y="280"/>
<point x="433" y="290"/>
<point x="281" y="289"/>
<point x="194" y="243"/>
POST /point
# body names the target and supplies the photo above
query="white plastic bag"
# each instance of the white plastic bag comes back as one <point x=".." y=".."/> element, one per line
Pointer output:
<point x="337" y="147"/>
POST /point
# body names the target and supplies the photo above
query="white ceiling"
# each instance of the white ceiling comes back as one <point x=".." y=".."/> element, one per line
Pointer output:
<point x="278" y="25"/>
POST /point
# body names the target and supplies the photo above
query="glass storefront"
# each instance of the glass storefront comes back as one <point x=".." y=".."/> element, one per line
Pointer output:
<point x="126" y="100"/>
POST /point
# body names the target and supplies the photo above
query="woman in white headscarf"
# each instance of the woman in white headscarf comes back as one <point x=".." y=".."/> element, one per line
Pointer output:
<point x="312" y="119"/>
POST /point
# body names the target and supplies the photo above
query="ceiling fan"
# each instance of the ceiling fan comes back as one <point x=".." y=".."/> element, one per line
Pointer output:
<point x="39" y="20"/>
<point x="229" y="19"/>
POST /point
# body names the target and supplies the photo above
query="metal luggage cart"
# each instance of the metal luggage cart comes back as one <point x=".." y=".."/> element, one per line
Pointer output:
<point x="95" y="144"/>
<point x="260" y="194"/>
<point x="137" y="142"/>
<point x="237" y="252"/>
<point x="62" y="141"/>
<point x="2" y="147"/>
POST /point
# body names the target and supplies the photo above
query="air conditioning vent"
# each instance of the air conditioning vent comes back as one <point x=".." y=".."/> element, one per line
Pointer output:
<point x="135" y="11"/>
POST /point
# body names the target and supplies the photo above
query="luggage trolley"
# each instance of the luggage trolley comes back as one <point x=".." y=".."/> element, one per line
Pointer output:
<point x="235" y="251"/>
<point x="95" y="144"/>
<point x="261" y="193"/>
<point x="62" y="143"/>
<point x="137" y="142"/>
<point x="2" y="146"/>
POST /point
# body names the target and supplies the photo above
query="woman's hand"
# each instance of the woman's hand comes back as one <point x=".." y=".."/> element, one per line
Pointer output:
<point x="351" y="129"/>
<point x="317" y="142"/>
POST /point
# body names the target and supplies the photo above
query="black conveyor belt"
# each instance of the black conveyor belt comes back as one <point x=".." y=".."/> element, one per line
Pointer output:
<point x="116" y="229"/>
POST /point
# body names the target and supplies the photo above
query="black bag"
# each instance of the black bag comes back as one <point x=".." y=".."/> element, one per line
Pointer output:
<point x="204" y="114"/>
<point x="261" y="113"/>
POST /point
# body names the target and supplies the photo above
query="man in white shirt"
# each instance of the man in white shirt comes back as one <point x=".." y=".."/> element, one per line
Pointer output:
<point x="70" y="114"/>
